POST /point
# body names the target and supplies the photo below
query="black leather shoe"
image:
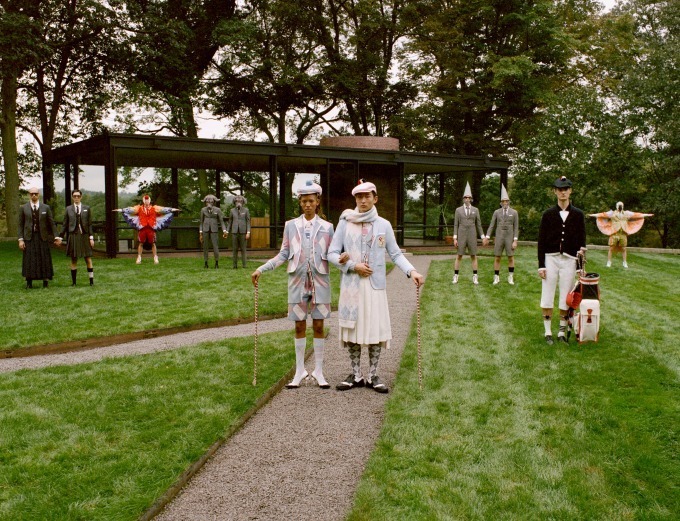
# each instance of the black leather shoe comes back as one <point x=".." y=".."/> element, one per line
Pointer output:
<point x="217" y="264"/>
<point x="377" y="385"/>
<point x="549" y="340"/>
<point x="350" y="383"/>
<point x="205" y="264"/>
<point x="29" y="284"/>
<point x="562" y="339"/>
<point x="45" y="284"/>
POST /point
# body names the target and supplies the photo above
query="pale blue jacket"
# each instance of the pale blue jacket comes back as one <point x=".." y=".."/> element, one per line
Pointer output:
<point x="383" y="241"/>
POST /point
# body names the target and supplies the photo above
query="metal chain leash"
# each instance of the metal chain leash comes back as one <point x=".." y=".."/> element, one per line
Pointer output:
<point x="257" y="287"/>
<point x="420" y="365"/>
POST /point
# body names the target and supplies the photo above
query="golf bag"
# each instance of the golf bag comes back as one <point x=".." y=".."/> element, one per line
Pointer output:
<point x="585" y="298"/>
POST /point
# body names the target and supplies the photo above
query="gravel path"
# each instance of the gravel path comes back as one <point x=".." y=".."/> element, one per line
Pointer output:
<point x="140" y="347"/>
<point x="299" y="457"/>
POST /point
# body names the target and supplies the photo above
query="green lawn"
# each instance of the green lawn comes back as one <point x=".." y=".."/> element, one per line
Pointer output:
<point x="509" y="428"/>
<point x="505" y="428"/>
<point x="102" y="441"/>
<point x="129" y="298"/>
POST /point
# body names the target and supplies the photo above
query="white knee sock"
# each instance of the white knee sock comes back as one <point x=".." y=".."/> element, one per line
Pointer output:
<point x="318" y="355"/>
<point x="318" y="359"/>
<point x="300" y="373"/>
<point x="547" y="324"/>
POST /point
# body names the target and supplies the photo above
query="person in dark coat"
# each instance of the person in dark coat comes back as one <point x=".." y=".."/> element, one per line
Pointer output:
<point x="561" y="236"/>
<point x="77" y="229"/>
<point x="36" y="229"/>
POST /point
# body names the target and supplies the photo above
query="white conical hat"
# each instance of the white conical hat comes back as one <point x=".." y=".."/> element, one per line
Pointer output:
<point x="504" y="194"/>
<point x="468" y="191"/>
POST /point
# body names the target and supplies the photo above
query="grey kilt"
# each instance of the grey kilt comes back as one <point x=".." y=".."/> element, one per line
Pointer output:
<point x="78" y="246"/>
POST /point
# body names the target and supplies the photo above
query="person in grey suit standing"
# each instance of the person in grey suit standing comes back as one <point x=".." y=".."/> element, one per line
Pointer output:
<point x="211" y="222"/>
<point x="239" y="227"/>
<point x="506" y="222"/>
<point x="77" y="227"/>
<point x="36" y="229"/>
<point x="466" y="222"/>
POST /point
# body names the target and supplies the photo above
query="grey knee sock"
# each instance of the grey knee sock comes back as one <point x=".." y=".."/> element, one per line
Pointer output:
<point x="373" y="357"/>
<point x="354" y="357"/>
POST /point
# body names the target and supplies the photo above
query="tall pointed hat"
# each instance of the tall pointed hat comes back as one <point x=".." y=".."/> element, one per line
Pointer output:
<point x="468" y="191"/>
<point x="504" y="194"/>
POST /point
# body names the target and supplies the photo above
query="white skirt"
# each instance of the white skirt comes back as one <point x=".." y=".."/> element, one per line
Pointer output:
<point x="373" y="323"/>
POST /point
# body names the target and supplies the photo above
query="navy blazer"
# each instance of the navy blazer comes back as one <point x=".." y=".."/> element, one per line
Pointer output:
<point x="557" y="236"/>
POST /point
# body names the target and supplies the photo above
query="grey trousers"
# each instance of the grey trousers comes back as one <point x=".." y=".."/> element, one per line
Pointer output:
<point x="238" y="241"/>
<point x="214" y="238"/>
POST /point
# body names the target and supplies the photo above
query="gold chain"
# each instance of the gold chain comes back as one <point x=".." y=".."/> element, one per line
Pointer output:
<point x="257" y="286"/>
<point x="420" y="367"/>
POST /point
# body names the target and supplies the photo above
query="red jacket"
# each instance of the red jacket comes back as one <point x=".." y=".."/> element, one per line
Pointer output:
<point x="147" y="216"/>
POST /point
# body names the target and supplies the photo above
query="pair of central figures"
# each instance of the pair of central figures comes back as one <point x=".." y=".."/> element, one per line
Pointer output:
<point x="357" y="247"/>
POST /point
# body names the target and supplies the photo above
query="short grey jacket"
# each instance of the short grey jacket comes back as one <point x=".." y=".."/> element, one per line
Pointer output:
<point x="506" y="225"/>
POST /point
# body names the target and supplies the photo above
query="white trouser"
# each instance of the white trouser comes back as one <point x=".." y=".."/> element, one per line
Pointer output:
<point x="559" y="269"/>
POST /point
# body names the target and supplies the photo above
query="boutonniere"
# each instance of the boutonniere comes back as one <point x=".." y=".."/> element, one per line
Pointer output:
<point x="381" y="241"/>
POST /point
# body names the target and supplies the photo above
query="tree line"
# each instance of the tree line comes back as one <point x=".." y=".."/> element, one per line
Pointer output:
<point x="561" y="88"/>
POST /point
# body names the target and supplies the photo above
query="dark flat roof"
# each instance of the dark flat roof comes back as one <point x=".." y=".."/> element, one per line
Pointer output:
<point x="137" y="150"/>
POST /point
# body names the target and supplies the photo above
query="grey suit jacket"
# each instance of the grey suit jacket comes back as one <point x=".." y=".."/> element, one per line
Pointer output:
<point x="212" y="222"/>
<point x="70" y="219"/>
<point x="464" y="226"/>
<point x="239" y="221"/>
<point x="506" y="226"/>
<point x="47" y="226"/>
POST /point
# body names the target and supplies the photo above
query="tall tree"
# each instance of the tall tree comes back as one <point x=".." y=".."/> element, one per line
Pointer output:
<point x="20" y="47"/>
<point x="269" y="74"/>
<point x="67" y="90"/>
<point x="486" y="66"/>
<point x="360" y="40"/>
<point x="646" y="76"/>
<point x="172" y="46"/>
<point x="615" y="130"/>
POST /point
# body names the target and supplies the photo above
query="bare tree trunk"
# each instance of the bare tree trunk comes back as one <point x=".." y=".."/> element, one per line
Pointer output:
<point x="192" y="131"/>
<point x="8" y="95"/>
